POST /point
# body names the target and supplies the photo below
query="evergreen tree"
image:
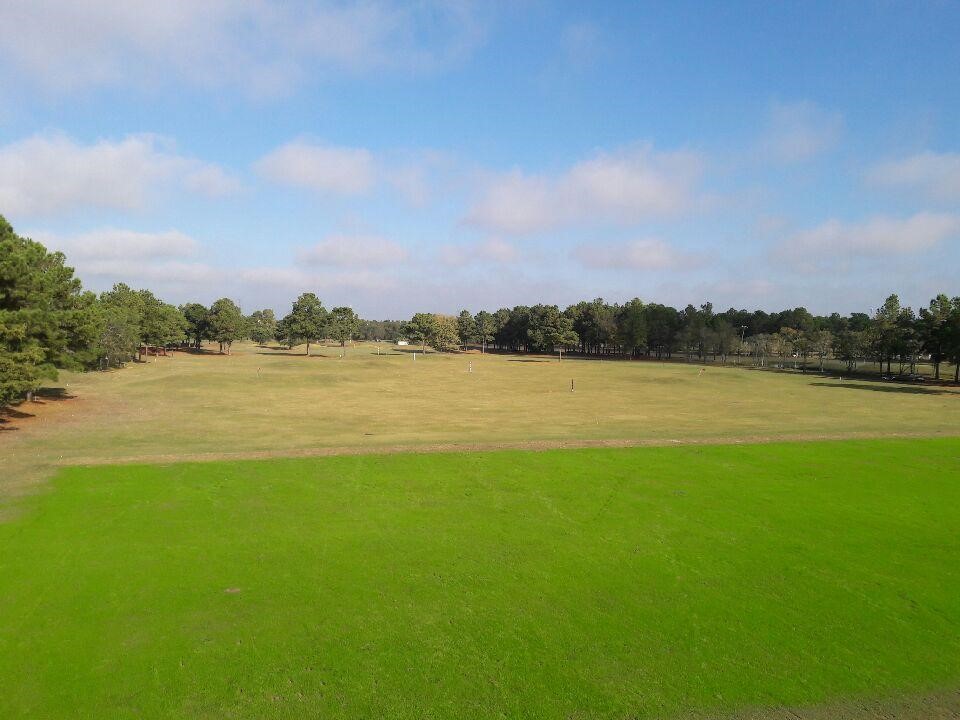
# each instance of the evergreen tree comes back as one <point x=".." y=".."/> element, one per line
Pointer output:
<point x="486" y="327"/>
<point x="466" y="328"/>
<point x="46" y="321"/>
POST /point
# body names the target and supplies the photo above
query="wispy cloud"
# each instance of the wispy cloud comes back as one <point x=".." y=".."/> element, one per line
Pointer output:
<point x="640" y="254"/>
<point x="117" y="244"/>
<point x="50" y="174"/>
<point x="622" y="187"/>
<point x="581" y="43"/>
<point x="263" y="48"/>
<point x="335" y="170"/>
<point x="490" y="251"/>
<point x="935" y="176"/>
<point x="834" y="241"/>
<point x="797" y="132"/>
<point x="167" y="261"/>
<point x="321" y="168"/>
<point x="353" y="251"/>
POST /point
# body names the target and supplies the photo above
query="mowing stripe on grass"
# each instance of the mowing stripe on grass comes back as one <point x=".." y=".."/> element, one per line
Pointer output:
<point x="643" y="582"/>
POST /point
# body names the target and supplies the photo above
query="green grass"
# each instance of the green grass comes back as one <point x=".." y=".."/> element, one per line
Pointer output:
<point x="645" y="582"/>
<point x="195" y="404"/>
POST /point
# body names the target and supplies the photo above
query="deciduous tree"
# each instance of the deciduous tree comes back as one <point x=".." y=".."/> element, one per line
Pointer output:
<point x="198" y="322"/>
<point x="227" y="324"/>
<point x="420" y="328"/>
<point x="263" y="326"/>
<point x="306" y="321"/>
<point x="342" y="324"/>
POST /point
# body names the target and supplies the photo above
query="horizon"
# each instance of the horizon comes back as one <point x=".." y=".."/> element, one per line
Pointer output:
<point x="474" y="155"/>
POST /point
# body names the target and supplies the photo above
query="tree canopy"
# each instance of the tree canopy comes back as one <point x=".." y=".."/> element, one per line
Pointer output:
<point x="262" y="325"/>
<point x="342" y="324"/>
<point x="46" y="320"/>
<point x="227" y="324"/>
<point x="305" y="323"/>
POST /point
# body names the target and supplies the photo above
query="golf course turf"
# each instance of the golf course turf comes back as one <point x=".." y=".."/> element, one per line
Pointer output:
<point x="601" y="583"/>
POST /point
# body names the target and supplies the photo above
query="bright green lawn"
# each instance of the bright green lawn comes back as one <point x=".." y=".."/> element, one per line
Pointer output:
<point x="642" y="582"/>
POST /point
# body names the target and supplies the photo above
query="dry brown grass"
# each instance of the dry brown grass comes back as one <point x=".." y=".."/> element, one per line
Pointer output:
<point x="261" y="402"/>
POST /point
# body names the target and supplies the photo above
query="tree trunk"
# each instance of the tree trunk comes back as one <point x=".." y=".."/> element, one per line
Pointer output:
<point x="936" y="369"/>
<point x="308" y="349"/>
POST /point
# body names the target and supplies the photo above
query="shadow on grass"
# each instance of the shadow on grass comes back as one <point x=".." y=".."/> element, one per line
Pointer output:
<point x="40" y="397"/>
<point x="533" y="360"/>
<point x="8" y="414"/>
<point x="881" y="387"/>
<point x="290" y="353"/>
<point x="195" y="351"/>
<point x="53" y="393"/>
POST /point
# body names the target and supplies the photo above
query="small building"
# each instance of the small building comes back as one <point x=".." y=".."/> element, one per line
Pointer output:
<point x="402" y="342"/>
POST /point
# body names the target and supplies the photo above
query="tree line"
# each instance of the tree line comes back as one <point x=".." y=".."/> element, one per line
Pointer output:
<point x="891" y="334"/>
<point x="49" y="322"/>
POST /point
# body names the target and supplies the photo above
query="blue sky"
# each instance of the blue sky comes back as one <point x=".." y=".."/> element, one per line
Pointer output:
<point x="432" y="156"/>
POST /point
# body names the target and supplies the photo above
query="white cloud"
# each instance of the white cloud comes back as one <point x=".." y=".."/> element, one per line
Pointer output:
<point x="353" y="251"/>
<point x="798" y="132"/>
<point x="881" y="236"/>
<point x="321" y="168"/>
<point x="164" y="262"/>
<point x="413" y="184"/>
<point x="115" y="244"/>
<point x="624" y="187"/>
<point x="641" y="254"/>
<point x="349" y="171"/>
<point x="51" y="174"/>
<point x="492" y="250"/>
<point x="361" y="289"/>
<point x="936" y="176"/>
<point x="212" y="181"/>
<point x="257" y="46"/>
